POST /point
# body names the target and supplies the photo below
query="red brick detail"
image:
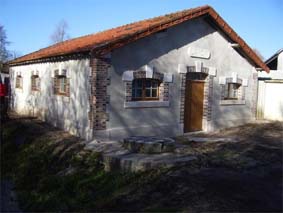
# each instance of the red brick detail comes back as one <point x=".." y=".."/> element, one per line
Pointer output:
<point x="166" y="92"/>
<point x="182" y="97"/>
<point x="163" y="86"/>
<point x="139" y="74"/>
<point x="68" y="87"/>
<point x="55" y="85"/>
<point x="128" y="85"/>
<point x="208" y="96"/>
<point x="98" y="99"/>
<point x="254" y="88"/>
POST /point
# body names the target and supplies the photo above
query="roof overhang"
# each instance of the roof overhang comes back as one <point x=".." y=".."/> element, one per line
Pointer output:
<point x="117" y="42"/>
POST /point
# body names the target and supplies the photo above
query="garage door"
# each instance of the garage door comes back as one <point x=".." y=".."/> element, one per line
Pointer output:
<point x="273" y="103"/>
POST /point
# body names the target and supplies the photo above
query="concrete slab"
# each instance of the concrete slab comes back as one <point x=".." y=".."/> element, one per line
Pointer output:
<point x="210" y="139"/>
<point x="149" y="144"/>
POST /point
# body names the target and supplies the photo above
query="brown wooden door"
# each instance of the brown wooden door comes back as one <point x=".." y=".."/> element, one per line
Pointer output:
<point x="193" y="106"/>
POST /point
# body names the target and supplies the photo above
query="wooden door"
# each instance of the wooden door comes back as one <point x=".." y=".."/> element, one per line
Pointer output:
<point x="193" y="106"/>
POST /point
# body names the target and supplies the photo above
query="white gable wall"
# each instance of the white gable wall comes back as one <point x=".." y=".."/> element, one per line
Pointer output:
<point x="165" y="54"/>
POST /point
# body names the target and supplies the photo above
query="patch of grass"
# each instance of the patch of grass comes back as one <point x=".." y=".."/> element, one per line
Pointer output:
<point x="57" y="174"/>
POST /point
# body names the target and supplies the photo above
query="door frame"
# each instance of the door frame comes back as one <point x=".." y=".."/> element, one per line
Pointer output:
<point x="187" y="106"/>
<point x="207" y="124"/>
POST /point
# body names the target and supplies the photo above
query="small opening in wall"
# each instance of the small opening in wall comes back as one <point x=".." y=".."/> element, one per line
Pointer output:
<point x="144" y="89"/>
<point x="232" y="91"/>
<point x="19" y="82"/>
<point x="35" y="83"/>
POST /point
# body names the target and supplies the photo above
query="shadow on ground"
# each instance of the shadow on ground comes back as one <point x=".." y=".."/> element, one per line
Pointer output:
<point x="52" y="172"/>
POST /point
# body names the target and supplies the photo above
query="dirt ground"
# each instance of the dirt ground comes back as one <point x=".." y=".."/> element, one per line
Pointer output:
<point x="242" y="176"/>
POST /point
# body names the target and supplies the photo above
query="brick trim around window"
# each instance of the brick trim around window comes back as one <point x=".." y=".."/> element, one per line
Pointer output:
<point x="141" y="74"/>
<point x="35" y="83"/>
<point x="19" y="82"/>
<point x="56" y="84"/>
<point x="228" y="84"/>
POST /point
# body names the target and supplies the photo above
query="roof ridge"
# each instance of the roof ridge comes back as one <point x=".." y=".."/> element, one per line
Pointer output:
<point x="115" y="37"/>
<point x="114" y="28"/>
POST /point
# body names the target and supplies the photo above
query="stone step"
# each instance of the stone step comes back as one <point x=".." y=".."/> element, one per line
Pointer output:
<point x="117" y="158"/>
<point x="149" y="145"/>
<point x="136" y="162"/>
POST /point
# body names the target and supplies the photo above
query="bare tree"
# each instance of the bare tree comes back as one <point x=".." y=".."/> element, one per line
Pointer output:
<point x="14" y="54"/>
<point x="4" y="53"/>
<point x="60" y="33"/>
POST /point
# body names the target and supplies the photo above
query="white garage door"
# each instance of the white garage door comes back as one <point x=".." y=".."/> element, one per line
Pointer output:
<point x="273" y="106"/>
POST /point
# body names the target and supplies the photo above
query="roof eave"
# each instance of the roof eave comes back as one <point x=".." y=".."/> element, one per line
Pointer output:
<point x="108" y="46"/>
<point x="54" y="58"/>
<point x="237" y="39"/>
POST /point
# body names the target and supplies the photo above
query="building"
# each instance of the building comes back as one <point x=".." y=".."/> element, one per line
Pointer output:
<point x="270" y="89"/>
<point x="182" y="72"/>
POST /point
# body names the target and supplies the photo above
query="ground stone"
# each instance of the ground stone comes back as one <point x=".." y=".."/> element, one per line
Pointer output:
<point x="117" y="158"/>
<point x="149" y="145"/>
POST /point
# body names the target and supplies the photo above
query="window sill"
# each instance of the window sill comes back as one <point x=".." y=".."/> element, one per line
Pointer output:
<point x="146" y="104"/>
<point x="232" y="102"/>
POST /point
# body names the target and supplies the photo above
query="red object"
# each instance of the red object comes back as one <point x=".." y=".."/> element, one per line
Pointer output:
<point x="3" y="91"/>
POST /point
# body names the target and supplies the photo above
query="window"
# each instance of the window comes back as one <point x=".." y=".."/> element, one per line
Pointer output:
<point x="145" y="89"/>
<point x="35" y="83"/>
<point x="19" y="82"/>
<point x="61" y="85"/>
<point x="232" y="91"/>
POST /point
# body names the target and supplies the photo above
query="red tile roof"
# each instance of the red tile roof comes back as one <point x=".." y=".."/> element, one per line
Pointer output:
<point x="103" y="42"/>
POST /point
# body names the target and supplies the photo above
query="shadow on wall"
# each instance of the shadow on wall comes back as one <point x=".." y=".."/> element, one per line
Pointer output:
<point x="68" y="113"/>
<point x="162" y="46"/>
<point x="166" y="48"/>
<point x="137" y="54"/>
<point x="235" y="114"/>
<point x="72" y="114"/>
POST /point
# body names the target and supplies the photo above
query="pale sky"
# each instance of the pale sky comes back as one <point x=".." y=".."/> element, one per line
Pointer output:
<point x="29" y="23"/>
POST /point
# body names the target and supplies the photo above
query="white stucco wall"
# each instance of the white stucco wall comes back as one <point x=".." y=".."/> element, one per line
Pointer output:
<point x="166" y="53"/>
<point x="280" y="61"/>
<point x="68" y="113"/>
<point x="163" y="52"/>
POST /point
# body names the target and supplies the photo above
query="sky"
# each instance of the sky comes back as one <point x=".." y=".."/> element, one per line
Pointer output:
<point x="29" y="23"/>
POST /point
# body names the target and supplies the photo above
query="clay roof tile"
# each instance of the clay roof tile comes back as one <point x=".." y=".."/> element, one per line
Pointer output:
<point x="98" y="41"/>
